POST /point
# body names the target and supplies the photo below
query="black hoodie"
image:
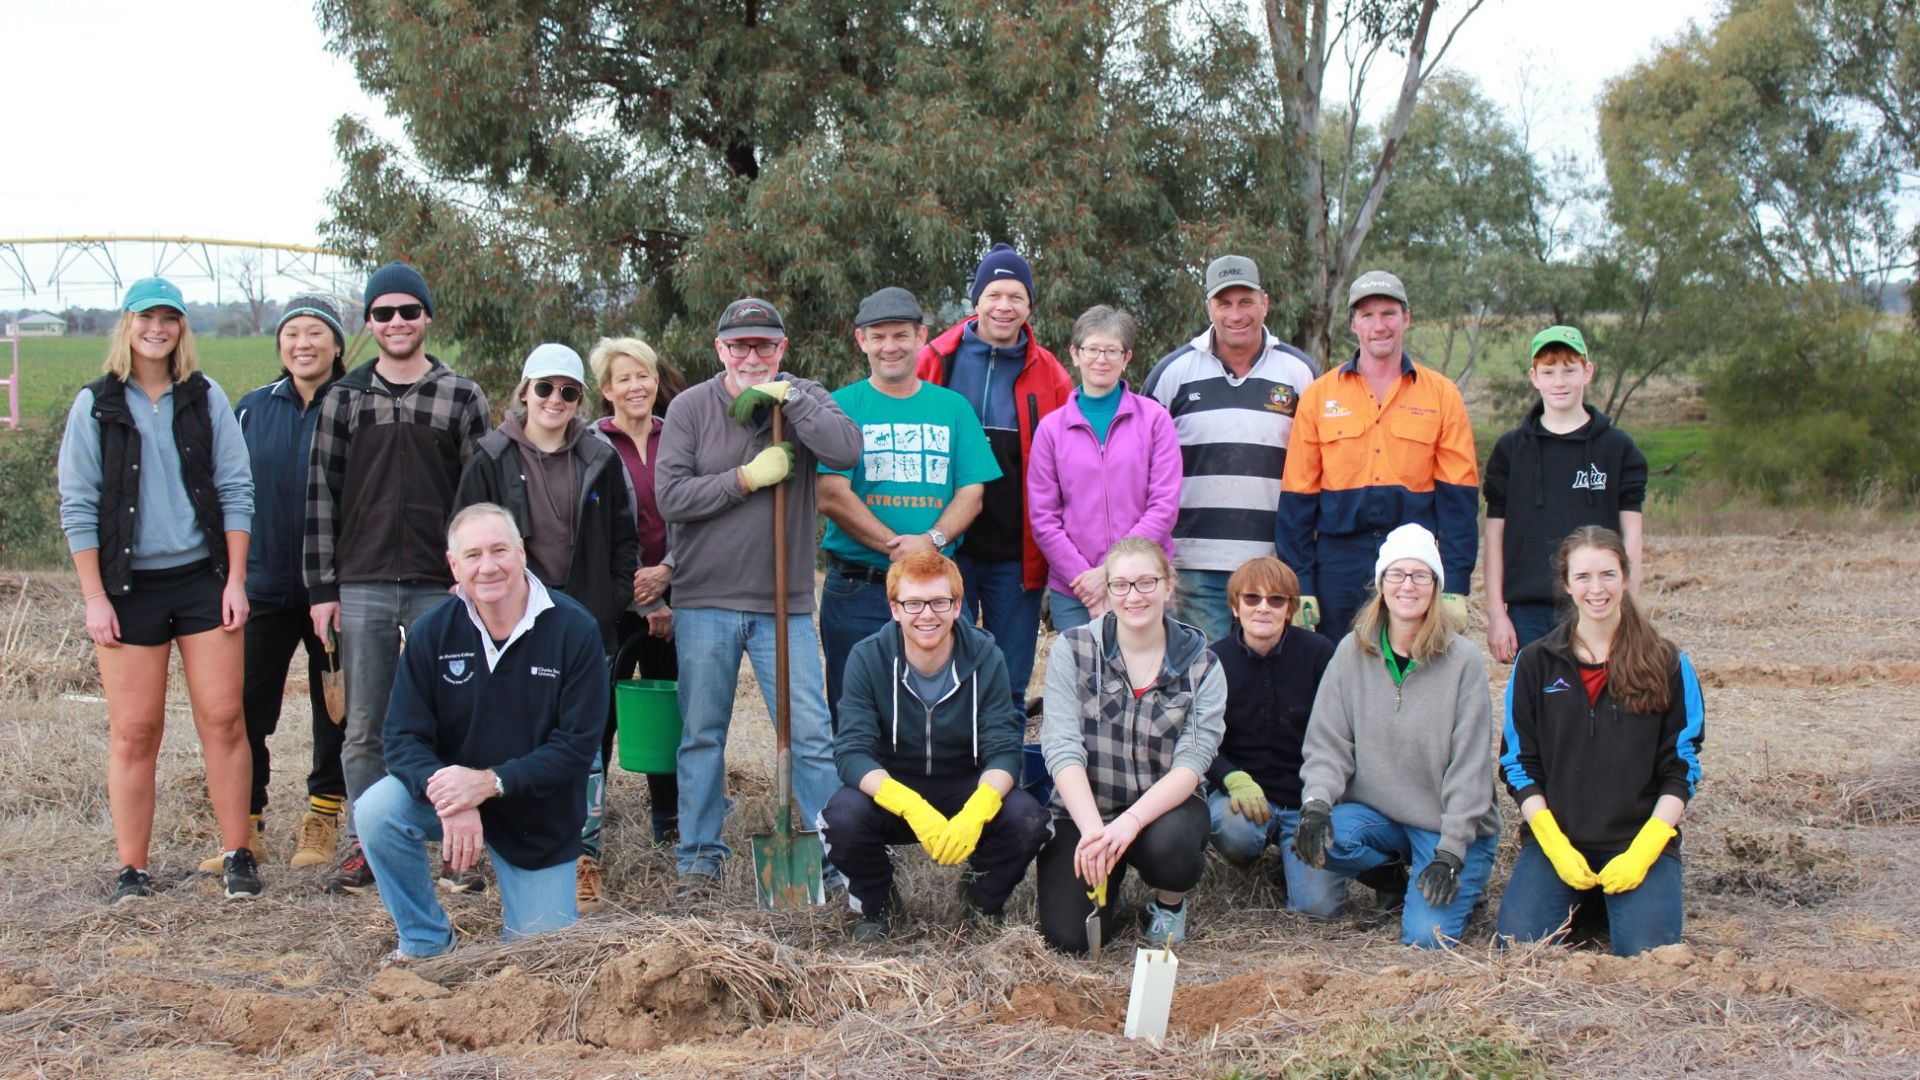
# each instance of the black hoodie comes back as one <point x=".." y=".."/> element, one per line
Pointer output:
<point x="1546" y="485"/>
<point x="883" y="724"/>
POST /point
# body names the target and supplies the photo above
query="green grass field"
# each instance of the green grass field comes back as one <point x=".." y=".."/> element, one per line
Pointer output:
<point x="52" y="370"/>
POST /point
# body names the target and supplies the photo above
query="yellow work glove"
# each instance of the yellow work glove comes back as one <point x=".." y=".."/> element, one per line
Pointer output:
<point x="1455" y="605"/>
<point x="769" y="466"/>
<point x="1625" y="871"/>
<point x="761" y="396"/>
<point x="1307" y="614"/>
<point x="962" y="834"/>
<point x="1568" y="863"/>
<point x="1246" y="798"/>
<point x="905" y="803"/>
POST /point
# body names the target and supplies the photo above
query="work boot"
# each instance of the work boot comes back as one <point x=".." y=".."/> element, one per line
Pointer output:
<point x="587" y="884"/>
<point x="1389" y="884"/>
<point x="317" y="837"/>
<point x="354" y="875"/>
<point x="255" y="842"/>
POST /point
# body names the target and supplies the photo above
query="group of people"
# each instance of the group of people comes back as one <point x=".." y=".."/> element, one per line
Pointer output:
<point x="1259" y="573"/>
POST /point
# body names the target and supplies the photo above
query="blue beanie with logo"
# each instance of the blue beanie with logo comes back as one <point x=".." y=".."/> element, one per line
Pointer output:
<point x="1001" y="262"/>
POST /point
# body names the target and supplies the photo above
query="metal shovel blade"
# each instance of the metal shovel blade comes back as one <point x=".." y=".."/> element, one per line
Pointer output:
<point x="786" y="869"/>
<point x="1099" y="898"/>
<point x="333" y="687"/>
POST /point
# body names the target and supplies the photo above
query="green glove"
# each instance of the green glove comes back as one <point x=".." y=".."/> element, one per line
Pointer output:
<point x="769" y="466"/>
<point x="1455" y="605"/>
<point x="1568" y="863"/>
<point x="1307" y="614"/>
<point x="1625" y="871"/>
<point x="956" y="842"/>
<point x="905" y="803"/>
<point x="1314" y="833"/>
<point x="764" y="396"/>
<point x="1246" y="798"/>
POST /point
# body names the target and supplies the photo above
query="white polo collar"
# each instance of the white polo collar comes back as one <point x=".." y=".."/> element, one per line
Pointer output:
<point x="538" y="600"/>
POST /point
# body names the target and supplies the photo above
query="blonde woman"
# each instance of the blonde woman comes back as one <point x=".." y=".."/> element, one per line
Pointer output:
<point x="156" y="500"/>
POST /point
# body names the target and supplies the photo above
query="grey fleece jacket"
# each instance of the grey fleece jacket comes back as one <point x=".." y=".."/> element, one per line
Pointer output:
<point x="1421" y="753"/>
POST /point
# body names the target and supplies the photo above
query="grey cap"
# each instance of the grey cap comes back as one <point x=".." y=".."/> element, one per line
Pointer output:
<point x="751" y="317"/>
<point x="891" y="304"/>
<point x="1228" y="271"/>
<point x="1376" y="283"/>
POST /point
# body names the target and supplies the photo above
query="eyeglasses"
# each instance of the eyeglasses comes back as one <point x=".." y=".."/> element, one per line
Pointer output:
<point x="939" y="605"/>
<point x="547" y="388"/>
<point x="1418" y="577"/>
<point x="1100" y="353"/>
<point x="762" y="349"/>
<point x="1272" y="600"/>
<point x="1145" y="586"/>
<point x="406" y="312"/>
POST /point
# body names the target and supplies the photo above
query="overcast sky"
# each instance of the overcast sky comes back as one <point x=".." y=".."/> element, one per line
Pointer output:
<point x="214" y="118"/>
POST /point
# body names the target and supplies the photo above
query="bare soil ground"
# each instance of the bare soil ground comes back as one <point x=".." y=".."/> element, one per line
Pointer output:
<point x="1803" y="911"/>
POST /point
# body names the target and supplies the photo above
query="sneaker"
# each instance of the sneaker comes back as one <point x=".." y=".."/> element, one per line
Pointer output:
<point x="241" y="877"/>
<point x="354" y="875"/>
<point x="318" y="833"/>
<point x="461" y="881"/>
<point x="587" y="884"/>
<point x="255" y="842"/>
<point x="1389" y="885"/>
<point x="131" y="885"/>
<point x="399" y="959"/>
<point x="1165" y="926"/>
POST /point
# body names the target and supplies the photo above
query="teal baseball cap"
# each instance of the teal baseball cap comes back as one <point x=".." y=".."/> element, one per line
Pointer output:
<point x="1559" y="335"/>
<point x="155" y="292"/>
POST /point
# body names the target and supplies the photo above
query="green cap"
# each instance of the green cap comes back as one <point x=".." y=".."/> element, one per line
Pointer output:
<point x="153" y="292"/>
<point x="1559" y="335"/>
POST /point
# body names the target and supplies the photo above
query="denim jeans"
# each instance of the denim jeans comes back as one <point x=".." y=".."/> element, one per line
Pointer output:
<point x="273" y="633"/>
<point x="1537" y="902"/>
<point x="998" y="599"/>
<point x="371" y="617"/>
<point x="394" y="830"/>
<point x="1201" y="601"/>
<point x="1364" y="838"/>
<point x="1532" y="621"/>
<point x="1067" y="610"/>
<point x="1321" y="893"/>
<point x="717" y="637"/>
<point x="851" y="609"/>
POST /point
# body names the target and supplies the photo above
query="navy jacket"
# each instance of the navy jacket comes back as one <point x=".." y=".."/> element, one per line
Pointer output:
<point x="1269" y="701"/>
<point x="1546" y="485"/>
<point x="279" y="434"/>
<point x="532" y="712"/>
<point x="884" y="725"/>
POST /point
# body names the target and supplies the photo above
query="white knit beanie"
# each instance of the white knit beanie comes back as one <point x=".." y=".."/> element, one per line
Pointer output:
<point x="1411" y="541"/>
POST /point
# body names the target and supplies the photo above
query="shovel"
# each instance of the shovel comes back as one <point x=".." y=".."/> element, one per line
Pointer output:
<point x="333" y="685"/>
<point x="786" y="862"/>
<point x="1099" y="898"/>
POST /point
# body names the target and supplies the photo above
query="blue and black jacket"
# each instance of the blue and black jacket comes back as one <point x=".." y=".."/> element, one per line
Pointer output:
<point x="883" y="724"/>
<point x="279" y="434"/>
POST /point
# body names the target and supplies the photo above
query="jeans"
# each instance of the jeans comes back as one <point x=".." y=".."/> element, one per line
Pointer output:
<point x="1320" y="893"/>
<point x="371" y="617"/>
<point x="1537" y="902"/>
<point x="851" y="609"/>
<point x="394" y="830"/>
<point x="997" y="598"/>
<point x="1344" y="567"/>
<point x="1068" y="612"/>
<point x="273" y="633"/>
<point x="718" y="637"/>
<point x="1201" y="601"/>
<point x="1532" y="621"/>
<point x="1364" y="838"/>
<point x="1169" y="854"/>
<point x="858" y="833"/>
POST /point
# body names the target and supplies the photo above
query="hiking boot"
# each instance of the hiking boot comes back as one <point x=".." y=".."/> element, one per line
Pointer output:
<point x="317" y="837"/>
<point x="1165" y="926"/>
<point x="874" y="927"/>
<point x="354" y="875"/>
<point x="587" y="884"/>
<point x="131" y="885"/>
<point x="695" y="885"/>
<point x="462" y="881"/>
<point x="240" y="877"/>
<point x="1389" y="884"/>
<point x="255" y="842"/>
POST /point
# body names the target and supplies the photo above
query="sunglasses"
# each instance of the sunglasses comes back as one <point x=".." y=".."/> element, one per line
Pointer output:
<point x="547" y="388"/>
<point x="1272" y="600"/>
<point x="406" y="312"/>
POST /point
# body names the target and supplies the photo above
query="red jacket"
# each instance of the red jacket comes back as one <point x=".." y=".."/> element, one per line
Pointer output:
<point x="1041" y="387"/>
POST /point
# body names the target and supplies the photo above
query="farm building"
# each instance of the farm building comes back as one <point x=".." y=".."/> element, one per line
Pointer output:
<point x="38" y="324"/>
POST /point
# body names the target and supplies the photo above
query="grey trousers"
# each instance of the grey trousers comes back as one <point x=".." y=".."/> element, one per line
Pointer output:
<point x="371" y="617"/>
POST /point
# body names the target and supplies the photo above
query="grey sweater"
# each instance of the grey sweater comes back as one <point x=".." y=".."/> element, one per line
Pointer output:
<point x="1420" y="753"/>
<point x="723" y="548"/>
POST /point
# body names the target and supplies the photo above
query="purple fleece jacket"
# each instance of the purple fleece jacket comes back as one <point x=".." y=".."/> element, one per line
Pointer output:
<point x="1082" y="496"/>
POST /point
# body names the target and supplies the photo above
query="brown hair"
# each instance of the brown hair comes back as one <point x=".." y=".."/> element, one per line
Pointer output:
<point x="924" y="566"/>
<point x="1264" y="574"/>
<point x="1641" y="663"/>
<point x="1435" y="634"/>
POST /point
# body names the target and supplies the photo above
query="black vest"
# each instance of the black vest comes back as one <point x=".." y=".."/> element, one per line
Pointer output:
<point x="120" y="474"/>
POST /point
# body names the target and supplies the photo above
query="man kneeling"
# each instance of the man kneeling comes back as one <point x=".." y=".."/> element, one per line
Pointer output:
<point x="928" y="730"/>
<point x="496" y="713"/>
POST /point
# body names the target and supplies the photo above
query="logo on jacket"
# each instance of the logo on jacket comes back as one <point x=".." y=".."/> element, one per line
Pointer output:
<point x="1557" y="686"/>
<point x="544" y="672"/>
<point x="1282" y="399"/>
<point x="1335" y="410"/>
<point x="1590" y="478"/>
<point x="457" y="670"/>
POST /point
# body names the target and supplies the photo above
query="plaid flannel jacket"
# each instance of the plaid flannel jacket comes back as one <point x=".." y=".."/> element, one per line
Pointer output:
<point x="1130" y="741"/>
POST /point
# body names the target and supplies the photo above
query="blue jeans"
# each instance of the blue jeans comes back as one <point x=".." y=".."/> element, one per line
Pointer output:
<point x="851" y="609"/>
<point x="1320" y="893"/>
<point x="711" y="641"/>
<point x="1201" y="601"/>
<point x="1068" y="611"/>
<point x="1364" y="838"/>
<point x="1537" y="902"/>
<point x="371" y="617"/>
<point x="998" y="599"/>
<point x="394" y="830"/>
<point x="1532" y="621"/>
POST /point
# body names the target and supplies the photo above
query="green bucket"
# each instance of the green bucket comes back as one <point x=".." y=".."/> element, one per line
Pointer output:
<point x="649" y="724"/>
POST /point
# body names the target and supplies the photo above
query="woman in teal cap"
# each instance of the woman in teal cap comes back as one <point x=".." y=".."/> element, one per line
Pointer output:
<point x="156" y="500"/>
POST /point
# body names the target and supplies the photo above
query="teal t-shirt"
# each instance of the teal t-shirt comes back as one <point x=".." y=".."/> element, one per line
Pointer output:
<point x="914" y="452"/>
<point x="1101" y="410"/>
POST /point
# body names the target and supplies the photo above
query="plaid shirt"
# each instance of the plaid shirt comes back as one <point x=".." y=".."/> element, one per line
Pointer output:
<point x="382" y="478"/>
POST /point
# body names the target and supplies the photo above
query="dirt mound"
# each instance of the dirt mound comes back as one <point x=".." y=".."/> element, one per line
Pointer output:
<point x="1885" y="996"/>
<point x="1808" y="675"/>
<point x="655" y="997"/>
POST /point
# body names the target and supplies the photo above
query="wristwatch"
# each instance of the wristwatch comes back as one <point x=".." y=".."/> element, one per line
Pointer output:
<point x="939" y="538"/>
<point x="499" y="786"/>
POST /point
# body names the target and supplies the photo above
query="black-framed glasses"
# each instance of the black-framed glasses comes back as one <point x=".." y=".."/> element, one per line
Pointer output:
<point x="568" y="392"/>
<point x="1145" y="586"/>
<point x="939" y="605"/>
<point x="762" y="349"/>
<point x="1418" y="577"/>
<point x="406" y="312"/>
<point x="1272" y="600"/>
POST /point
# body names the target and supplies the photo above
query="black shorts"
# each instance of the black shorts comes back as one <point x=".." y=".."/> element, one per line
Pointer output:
<point x="170" y="603"/>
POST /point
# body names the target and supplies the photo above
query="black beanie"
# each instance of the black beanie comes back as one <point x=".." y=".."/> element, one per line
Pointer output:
<point x="397" y="277"/>
<point x="1001" y="262"/>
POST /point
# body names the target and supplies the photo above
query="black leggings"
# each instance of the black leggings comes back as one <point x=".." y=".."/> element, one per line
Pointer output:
<point x="1169" y="855"/>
